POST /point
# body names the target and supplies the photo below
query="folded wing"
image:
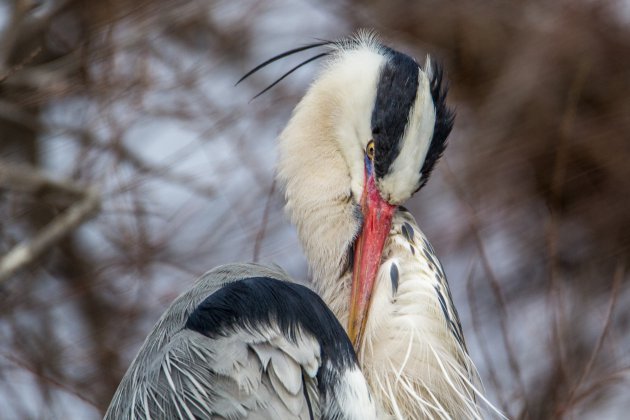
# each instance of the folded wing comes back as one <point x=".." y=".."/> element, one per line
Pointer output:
<point x="244" y="343"/>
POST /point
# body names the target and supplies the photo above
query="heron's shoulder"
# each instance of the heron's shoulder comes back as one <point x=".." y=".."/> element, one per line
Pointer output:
<point x="228" y="273"/>
<point x="177" y="314"/>
<point x="206" y="285"/>
<point x="222" y="275"/>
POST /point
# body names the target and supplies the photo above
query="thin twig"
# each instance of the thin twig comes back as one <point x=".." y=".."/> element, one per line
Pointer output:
<point x="48" y="379"/>
<point x="260" y="236"/>
<point x="495" y="286"/>
<point x="557" y="181"/>
<point x="485" y="353"/>
<point x="30" y="250"/>
<point x="617" y="375"/>
<point x="29" y="58"/>
<point x="614" y="294"/>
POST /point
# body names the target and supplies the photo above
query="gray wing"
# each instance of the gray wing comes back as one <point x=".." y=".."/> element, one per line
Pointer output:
<point x="244" y="375"/>
<point x="242" y="343"/>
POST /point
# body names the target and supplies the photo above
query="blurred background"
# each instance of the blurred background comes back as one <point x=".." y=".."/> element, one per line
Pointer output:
<point x="130" y="164"/>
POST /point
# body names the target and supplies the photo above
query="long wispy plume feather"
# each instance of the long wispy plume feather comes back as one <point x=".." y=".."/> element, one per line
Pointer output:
<point x="303" y="63"/>
<point x="284" y="55"/>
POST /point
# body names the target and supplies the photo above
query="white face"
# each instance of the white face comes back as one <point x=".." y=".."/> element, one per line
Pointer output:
<point x="354" y="77"/>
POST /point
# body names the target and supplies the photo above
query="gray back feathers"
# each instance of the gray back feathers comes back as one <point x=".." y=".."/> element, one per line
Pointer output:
<point x="235" y="369"/>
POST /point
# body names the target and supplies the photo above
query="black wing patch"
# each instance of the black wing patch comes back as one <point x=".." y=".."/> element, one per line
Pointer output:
<point x="257" y="302"/>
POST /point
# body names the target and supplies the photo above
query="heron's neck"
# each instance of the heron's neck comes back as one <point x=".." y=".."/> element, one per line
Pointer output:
<point x="321" y="162"/>
<point x="319" y="197"/>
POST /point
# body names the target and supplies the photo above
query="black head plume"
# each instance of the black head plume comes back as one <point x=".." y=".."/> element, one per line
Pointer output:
<point x="444" y="118"/>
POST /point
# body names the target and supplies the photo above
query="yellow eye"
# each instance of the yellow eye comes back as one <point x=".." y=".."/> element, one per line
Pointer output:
<point x="369" y="150"/>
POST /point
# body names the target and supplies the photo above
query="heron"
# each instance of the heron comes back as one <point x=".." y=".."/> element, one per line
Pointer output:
<point x="379" y="336"/>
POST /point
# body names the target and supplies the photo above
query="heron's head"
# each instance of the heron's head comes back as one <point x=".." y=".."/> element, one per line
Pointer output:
<point x="362" y="141"/>
<point x="394" y="122"/>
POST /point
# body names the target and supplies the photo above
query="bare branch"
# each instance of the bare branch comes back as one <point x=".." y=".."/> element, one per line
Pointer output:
<point x="260" y="236"/>
<point x="614" y="294"/>
<point x="30" y="250"/>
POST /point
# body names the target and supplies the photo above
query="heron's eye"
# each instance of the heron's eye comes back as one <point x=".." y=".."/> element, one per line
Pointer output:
<point x="369" y="150"/>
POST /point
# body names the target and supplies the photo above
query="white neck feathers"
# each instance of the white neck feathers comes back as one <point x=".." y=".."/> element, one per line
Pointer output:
<point x="321" y="159"/>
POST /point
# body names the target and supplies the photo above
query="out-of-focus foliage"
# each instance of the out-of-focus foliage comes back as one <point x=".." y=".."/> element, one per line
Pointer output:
<point x="530" y="210"/>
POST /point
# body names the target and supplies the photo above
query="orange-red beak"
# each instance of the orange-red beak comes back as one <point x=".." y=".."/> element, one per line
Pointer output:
<point x="377" y="220"/>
